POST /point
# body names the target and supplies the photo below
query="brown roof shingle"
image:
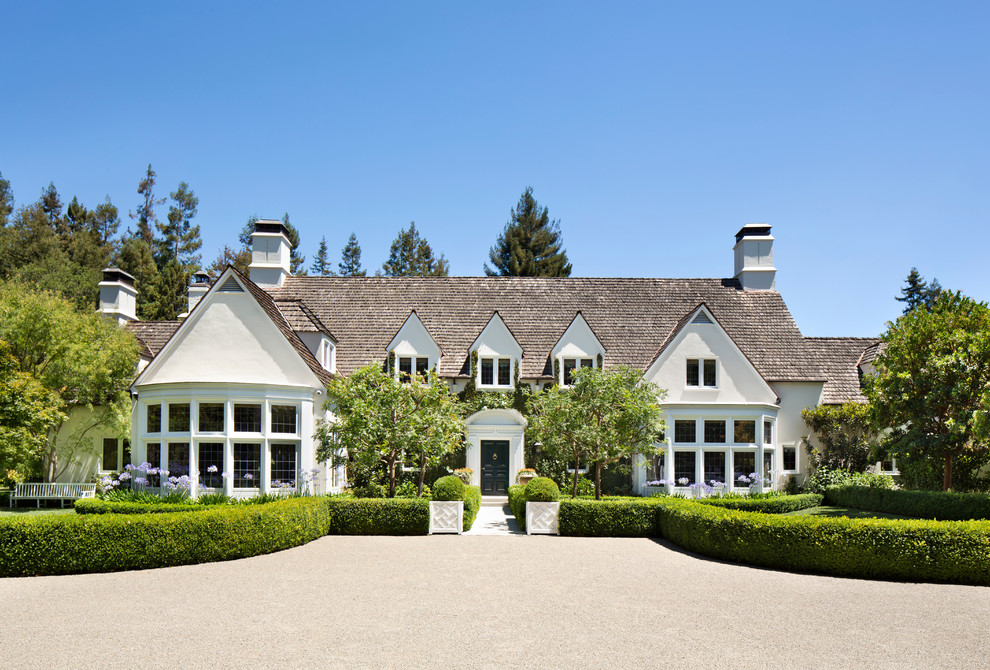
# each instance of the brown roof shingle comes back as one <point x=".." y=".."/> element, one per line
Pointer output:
<point x="839" y="359"/>
<point x="152" y="335"/>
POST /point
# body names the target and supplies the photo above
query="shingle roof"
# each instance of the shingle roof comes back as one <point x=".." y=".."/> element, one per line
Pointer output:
<point x="631" y="317"/>
<point x="839" y="359"/>
<point x="152" y="335"/>
<point x="301" y="318"/>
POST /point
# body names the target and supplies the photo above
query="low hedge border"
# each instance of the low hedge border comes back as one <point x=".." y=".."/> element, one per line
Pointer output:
<point x="379" y="516"/>
<point x="908" y="550"/>
<point x="941" y="505"/>
<point x="608" y="518"/>
<point x="472" y="503"/>
<point x="76" y="543"/>
<point x="774" y="505"/>
<point x="517" y="503"/>
<point x="97" y="506"/>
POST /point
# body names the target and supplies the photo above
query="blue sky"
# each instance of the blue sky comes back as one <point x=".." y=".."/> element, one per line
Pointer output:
<point x="652" y="131"/>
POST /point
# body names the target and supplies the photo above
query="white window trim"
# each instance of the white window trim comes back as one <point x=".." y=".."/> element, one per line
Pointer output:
<point x="413" y="358"/>
<point x="577" y="360"/>
<point x="701" y="373"/>
<point x="498" y="387"/>
<point x="797" y="464"/>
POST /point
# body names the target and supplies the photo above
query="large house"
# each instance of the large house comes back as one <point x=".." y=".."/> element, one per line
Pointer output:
<point x="238" y="384"/>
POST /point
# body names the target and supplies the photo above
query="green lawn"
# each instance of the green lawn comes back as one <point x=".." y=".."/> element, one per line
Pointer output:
<point x="850" y="512"/>
<point x="31" y="511"/>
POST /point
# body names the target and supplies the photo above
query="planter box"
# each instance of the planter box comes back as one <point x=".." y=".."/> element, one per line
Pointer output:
<point x="541" y="518"/>
<point x="446" y="516"/>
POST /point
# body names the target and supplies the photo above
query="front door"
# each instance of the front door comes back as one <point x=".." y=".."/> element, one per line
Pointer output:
<point x="494" y="467"/>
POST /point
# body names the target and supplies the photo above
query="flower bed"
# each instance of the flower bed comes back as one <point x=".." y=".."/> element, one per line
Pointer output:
<point x="945" y="506"/>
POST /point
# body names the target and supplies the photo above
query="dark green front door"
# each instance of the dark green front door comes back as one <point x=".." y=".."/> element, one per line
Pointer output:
<point x="494" y="467"/>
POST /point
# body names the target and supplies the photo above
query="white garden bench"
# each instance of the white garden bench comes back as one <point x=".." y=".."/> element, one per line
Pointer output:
<point x="60" y="491"/>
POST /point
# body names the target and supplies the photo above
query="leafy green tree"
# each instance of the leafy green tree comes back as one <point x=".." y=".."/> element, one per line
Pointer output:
<point x="145" y="214"/>
<point x="240" y="259"/>
<point x="179" y="237"/>
<point x="6" y="200"/>
<point x="51" y="204"/>
<point x="104" y="221"/>
<point x="411" y="256"/>
<point x="932" y="384"/>
<point x="917" y="292"/>
<point x="84" y="361"/>
<point x="136" y="258"/>
<point x="321" y="263"/>
<point x="350" y="259"/>
<point x="381" y="420"/>
<point x="530" y="245"/>
<point x="167" y="295"/>
<point x="846" y="438"/>
<point x="605" y="417"/>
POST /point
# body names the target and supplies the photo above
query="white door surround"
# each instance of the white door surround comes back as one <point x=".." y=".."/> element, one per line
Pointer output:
<point x="495" y="424"/>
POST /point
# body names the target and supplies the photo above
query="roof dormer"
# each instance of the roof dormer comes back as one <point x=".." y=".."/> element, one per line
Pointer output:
<point x="498" y="356"/>
<point x="578" y="347"/>
<point x="413" y="348"/>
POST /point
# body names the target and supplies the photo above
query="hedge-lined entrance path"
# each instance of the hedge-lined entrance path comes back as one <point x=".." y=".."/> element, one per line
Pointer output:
<point x="466" y="602"/>
<point x="495" y="518"/>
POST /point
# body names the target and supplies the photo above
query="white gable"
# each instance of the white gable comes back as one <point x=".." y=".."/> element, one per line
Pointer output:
<point x="497" y="340"/>
<point x="738" y="381"/>
<point x="413" y="339"/>
<point x="228" y="339"/>
<point x="578" y="341"/>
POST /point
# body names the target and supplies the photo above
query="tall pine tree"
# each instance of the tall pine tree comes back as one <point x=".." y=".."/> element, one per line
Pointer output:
<point x="411" y="256"/>
<point x="530" y="245"/>
<point x="321" y="263"/>
<point x="179" y="237"/>
<point x="6" y="201"/>
<point x="145" y="214"/>
<point x="918" y="293"/>
<point x="350" y="259"/>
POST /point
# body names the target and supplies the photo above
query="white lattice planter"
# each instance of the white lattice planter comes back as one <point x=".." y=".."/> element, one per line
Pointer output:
<point x="446" y="516"/>
<point x="541" y="518"/>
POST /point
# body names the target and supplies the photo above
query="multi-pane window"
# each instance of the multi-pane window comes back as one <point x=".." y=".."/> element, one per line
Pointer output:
<point x="768" y="432"/>
<point x="743" y="465"/>
<point x="715" y="432"/>
<point x="701" y="371"/>
<point x="178" y="417"/>
<point x="247" y="465"/>
<point x="211" y="417"/>
<point x="491" y="366"/>
<point x="178" y="459"/>
<point x="571" y="364"/>
<point x="211" y="464"/>
<point x="284" y="419"/>
<point x="715" y="467"/>
<point x="247" y="418"/>
<point x="110" y="453"/>
<point x="154" y="419"/>
<point x="684" y="467"/>
<point x="684" y="431"/>
<point x="155" y="458"/>
<point x="421" y="364"/>
<point x="283" y="464"/>
<point x="768" y="466"/>
<point x="789" y="458"/>
<point x="744" y="432"/>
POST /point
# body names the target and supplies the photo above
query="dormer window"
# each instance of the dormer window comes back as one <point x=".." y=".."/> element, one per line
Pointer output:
<point x="496" y="371"/>
<point x="571" y="364"/>
<point x="407" y="364"/>
<point x="702" y="372"/>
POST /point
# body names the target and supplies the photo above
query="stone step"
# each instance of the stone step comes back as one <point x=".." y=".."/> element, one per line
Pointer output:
<point x="494" y="501"/>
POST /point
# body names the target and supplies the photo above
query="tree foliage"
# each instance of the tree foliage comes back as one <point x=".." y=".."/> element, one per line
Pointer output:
<point x="179" y="238"/>
<point x="322" y="267"/>
<point x="412" y="256"/>
<point x="604" y="417"/>
<point x="145" y="213"/>
<point x="83" y="361"/>
<point x="6" y="200"/>
<point x="350" y="259"/>
<point x="239" y="258"/>
<point x="530" y="245"/>
<point x="381" y="421"/>
<point x="917" y="292"/>
<point x="846" y="438"/>
<point x="932" y="386"/>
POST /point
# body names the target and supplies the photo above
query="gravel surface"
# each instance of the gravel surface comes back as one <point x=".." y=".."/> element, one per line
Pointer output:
<point x="486" y="602"/>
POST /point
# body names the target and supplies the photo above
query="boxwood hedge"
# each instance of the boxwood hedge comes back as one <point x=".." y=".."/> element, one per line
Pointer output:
<point x="517" y="503"/>
<point x="379" y="516"/>
<point x="773" y="505"/>
<point x="472" y="503"/>
<point x="608" y="518"/>
<point x="74" y="543"/>
<point x="97" y="506"/>
<point x="907" y="550"/>
<point x="945" y="506"/>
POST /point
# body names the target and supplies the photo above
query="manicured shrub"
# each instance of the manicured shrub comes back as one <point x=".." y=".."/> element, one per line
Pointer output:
<point x="823" y="477"/>
<point x="608" y="518"/>
<point x="910" y="550"/>
<point x="472" y="503"/>
<point x="97" y="506"/>
<point x="941" y="505"/>
<point x="379" y="516"/>
<point x="517" y="503"/>
<point x="769" y="505"/>
<point x="448" y="488"/>
<point x="542" y="489"/>
<point x="75" y="543"/>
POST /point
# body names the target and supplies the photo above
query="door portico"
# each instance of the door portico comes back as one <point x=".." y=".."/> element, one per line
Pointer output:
<point x="495" y="432"/>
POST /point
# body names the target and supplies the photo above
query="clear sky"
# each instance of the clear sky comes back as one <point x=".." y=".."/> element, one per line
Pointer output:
<point x="652" y="131"/>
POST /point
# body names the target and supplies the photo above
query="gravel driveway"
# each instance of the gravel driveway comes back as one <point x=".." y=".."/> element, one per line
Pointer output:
<point x="486" y="602"/>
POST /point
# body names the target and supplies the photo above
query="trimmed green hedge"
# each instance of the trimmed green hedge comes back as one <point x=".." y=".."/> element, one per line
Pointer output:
<point x="542" y="489"/>
<point x="944" y="506"/>
<point x="608" y="518"/>
<point x="448" y="488"/>
<point x="73" y="543"/>
<point x="773" y="505"/>
<point x="97" y="506"/>
<point x="472" y="503"/>
<point x="517" y="503"/>
<point x="379" y="516"/>
<point x="909" y="550"/>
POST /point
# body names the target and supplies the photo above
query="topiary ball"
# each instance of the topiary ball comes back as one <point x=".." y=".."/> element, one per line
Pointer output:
<point x="448" y="488"/>
<point x="542" y="489"/>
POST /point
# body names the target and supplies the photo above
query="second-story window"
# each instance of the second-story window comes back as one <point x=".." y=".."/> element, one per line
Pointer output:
<point x="702" y="372"/>
<point x="421" y="364"/>
<point x="571" y="364"/>
<point x="496" y="371"/>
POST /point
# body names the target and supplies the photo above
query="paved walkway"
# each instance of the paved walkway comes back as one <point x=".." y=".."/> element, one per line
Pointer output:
<point x="485" y="602"/>
<point x="495" y="518"/>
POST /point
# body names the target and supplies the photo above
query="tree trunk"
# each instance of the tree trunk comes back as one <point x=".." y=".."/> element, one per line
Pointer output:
<point x="598" y="480"/>
<point x="391" y="478"/>
<point x="577" y="462"/>
<point x="422" y="474"/>
<point x="947" y="476"/>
